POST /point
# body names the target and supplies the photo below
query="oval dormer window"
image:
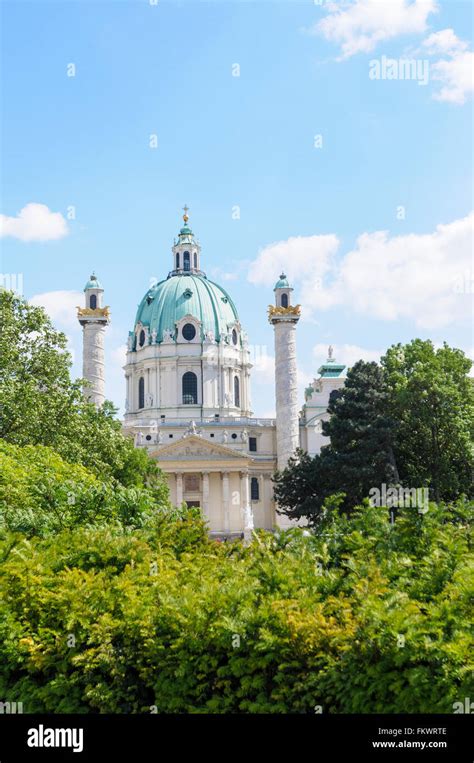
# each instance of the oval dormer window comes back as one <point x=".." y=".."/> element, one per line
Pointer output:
<point x="189" y="331"/>
<point x="93" y="302"/>
<point x="141" y="339"/>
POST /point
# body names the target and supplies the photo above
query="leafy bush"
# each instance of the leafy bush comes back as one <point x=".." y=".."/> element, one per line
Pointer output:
<point x="40" y="494"/>
<point x="361" y="616"/>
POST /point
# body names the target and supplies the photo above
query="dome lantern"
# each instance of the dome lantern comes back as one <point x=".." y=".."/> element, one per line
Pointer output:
<point x="186" y="250"/>
<point x="283" y="292"/>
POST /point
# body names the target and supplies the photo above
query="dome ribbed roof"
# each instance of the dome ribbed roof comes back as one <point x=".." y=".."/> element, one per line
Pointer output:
<point x="191" y="294"/>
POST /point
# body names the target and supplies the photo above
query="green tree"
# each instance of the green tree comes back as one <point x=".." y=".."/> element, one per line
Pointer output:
<point x="359" y="457"/>
<point x="409" y="421"/>
<point x="40" y="405"/>
<point x="42" y="494"/>
<point x="432" y="399"/>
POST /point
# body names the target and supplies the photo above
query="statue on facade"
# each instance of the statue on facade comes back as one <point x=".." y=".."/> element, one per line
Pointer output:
<point x="139" y="438"/>
<point x="330" y="352"/>
<point x="225" y="435"/>
<point x="244" y="435"/>
<point x="130" y="342"/>
<point x="149" y="400"/>
<point x="248" y="524"/>
<point x="210" y="336"/>
<point x="153" y="336"/>
<point x="248" y="518"/>
<point x="192" y="430"/>
<point x="159" y="437"/>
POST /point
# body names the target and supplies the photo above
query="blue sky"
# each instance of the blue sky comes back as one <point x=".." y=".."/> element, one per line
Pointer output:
<point x="370" y="220"/>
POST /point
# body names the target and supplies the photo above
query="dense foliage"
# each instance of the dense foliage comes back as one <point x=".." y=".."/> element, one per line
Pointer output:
<point x="40" y="405"/>
<point x="113" y="601"/>
<point x="40" y="494"/>
<point x="408" y="422"/>
<point x="362" y="616"/>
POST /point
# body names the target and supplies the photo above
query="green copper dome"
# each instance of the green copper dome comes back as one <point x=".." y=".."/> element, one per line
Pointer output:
<point x="282" y="283"/>
<point x="189" y="294"/>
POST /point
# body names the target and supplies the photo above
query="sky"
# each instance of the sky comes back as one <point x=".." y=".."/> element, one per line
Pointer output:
<point x="329" y="140"/>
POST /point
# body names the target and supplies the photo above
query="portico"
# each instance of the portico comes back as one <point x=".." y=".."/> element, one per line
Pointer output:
<point x="216" y="478"/>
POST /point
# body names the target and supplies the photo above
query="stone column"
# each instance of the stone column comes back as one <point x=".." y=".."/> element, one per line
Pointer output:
<point x="93" y="361"/>
<point x="284" y="322"/>
<point x="205" y="496"/>
<point x="179" y="489"/>
<point x="286" y="387"/>
<point x="244" y="496"/>
<point x="225" y="500"/>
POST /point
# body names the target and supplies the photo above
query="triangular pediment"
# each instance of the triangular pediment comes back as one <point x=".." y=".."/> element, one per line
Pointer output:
<point x="196" y="448"/>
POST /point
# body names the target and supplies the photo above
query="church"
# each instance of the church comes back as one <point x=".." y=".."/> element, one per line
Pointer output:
<point x="187" y="391"/>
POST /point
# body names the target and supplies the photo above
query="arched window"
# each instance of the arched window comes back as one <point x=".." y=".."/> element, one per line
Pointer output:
<point x="195" y="260"/>
<point x="254" y="489"/>
<point x="236" y="392"/>
<point x="177" y="260"/>
<point x="190" y="388"/>
<point x="141" y="392"/>
<point x="186" y="261"/>
<point x="93" y="302"/>
<point x="284" y="300"/>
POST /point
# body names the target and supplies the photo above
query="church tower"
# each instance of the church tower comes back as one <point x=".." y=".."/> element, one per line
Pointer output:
<point x="284" y="317"/>
<point x="94" y="319"/>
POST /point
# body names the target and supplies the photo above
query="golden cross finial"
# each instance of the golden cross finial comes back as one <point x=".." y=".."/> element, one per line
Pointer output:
<point x="186" y="210"/>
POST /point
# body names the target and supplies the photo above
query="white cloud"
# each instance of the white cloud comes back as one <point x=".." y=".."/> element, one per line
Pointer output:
<point x="454" y="72"/>
<point x="348" y="354"/>
<point x="445" y="41"/>
<point x="359" y="26"/>
<point x="60" y="306"/>
<point x="300" y="256"/>
<point x="223" y="275"/>
<point x="420" y="277"/>
<point x="263" y="371"/>
<point x="35" y="222"/>
<point x="455" y="76"/>
<point x="263" y="376"/>
<point x="119" y="355"/>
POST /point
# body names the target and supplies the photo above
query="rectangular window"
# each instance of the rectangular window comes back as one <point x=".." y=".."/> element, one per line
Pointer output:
<point x="253" y="444"/>
<point x="254" y="489"/>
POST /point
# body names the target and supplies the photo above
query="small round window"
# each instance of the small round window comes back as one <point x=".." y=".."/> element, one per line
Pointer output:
<point x="189" y="331"/>
<point x="234" y="336"/>
<point x="141" y="339"/>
